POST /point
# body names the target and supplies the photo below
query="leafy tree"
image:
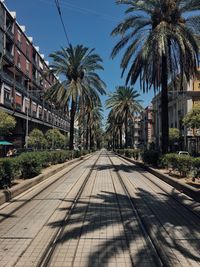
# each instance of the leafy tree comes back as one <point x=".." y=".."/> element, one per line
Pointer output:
<point x="55" y="139"/>
<point x="7" y="123"/>
<point x="192" y="119"/>
<point x="174" y="135"/>
<point x="36" y="139"/>
<point x="78" y="66"/>
<point x="160" y="37"/>
<point x="124" y="103"/>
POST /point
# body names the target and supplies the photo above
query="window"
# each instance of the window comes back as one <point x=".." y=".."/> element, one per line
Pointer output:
<point x="27" y="67"/>
<point x="27" y="49"/>
<point x="18" y="101"/>
<point x="34" y="109"/>
<point x="19" y="38"/>
<point x="7" y="97"/>
<point x="27" y="106"/>
<point x="18" y="59"/>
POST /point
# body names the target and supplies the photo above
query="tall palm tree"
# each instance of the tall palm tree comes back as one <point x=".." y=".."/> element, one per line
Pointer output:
<point x="95" y="124"/>
<point x="160" y="37"/>
<point x="78" y="66"/>
<point x="124" y="103"/>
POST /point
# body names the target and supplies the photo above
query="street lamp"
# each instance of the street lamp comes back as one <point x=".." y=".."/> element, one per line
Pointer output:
<point x="27" y="115"/>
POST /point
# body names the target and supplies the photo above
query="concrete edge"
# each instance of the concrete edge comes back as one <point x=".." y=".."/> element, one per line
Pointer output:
<point x="7" y="194"/>
<point x="186" y="189"/>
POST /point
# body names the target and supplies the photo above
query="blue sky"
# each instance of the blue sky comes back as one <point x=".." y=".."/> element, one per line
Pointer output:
<point x="88" y="22"/>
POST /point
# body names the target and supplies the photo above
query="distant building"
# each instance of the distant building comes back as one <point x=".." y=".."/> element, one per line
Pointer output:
<point x="146" y="125"/>
<point x="180" y="103"/>
<point x="22" y="81"/>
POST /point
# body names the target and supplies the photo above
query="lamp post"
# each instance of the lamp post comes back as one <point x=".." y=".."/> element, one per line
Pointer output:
<point x="27" y="115"/>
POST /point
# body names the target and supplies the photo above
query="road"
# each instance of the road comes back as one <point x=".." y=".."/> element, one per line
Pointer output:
<point x="103" y="212"/>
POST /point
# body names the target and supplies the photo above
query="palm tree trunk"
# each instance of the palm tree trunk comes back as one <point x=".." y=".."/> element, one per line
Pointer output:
<point x="164" y="107"/>
<point x="72" y="118"/>
<point x="87" y="132"/>
<point x="126" y="129"/>
<point x="120" y="136"/>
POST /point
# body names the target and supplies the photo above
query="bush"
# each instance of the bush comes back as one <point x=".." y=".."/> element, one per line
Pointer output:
<point x="196" y="167"/>
<point x="181" y="163"/>
<point x="151" y="157"/>
<point x="60" y="156"/>
<point x="30" y="164"/>
<point x="9" y="169"/>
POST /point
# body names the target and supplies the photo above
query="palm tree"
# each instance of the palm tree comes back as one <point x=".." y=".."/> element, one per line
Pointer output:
<point x="124" y="103"/>
<point x="78" y="66"/>
<point x="160" y="37"/>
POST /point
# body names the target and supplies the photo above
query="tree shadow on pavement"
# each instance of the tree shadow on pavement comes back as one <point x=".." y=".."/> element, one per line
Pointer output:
<point x="177" y="230"/>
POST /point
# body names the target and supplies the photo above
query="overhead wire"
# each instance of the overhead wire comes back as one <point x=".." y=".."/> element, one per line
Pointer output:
<point x="61" y="18"/>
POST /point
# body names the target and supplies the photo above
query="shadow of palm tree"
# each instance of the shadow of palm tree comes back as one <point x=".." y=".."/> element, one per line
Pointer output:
<point x="175" y="229"/>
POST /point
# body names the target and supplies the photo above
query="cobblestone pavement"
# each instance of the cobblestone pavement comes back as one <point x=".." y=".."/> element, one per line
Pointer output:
<point x="103" y="228"/>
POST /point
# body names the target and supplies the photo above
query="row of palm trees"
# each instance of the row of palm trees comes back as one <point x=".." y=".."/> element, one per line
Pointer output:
<point x="123" y="104"/>
<point x="79" y="91"/>
<point x="160" y="38"/>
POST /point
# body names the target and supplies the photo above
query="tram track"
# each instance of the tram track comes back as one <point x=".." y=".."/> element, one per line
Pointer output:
<point x="164" y="190"/>
<point x="160" y="251"/>
<point x="158" y="259"/>
<point x="47" y="255"/>
<point x="58" y="181"/>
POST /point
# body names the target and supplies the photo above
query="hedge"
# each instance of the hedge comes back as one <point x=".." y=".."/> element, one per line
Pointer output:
<point x="30" y="164"/>
<point x="130" y="153"/>
<point x="181" y="163"/>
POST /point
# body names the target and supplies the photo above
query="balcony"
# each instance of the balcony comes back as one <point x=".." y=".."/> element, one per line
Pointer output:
<point x="10" y="33"/>
<point x="21" y="87"/>
<point x="9" y="56"/>
<point x="7" y="78"/>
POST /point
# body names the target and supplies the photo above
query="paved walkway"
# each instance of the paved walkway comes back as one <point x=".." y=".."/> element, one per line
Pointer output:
<point x="104" y="228"/>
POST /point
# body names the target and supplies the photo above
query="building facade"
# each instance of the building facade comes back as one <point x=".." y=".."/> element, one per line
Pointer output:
<point x="146" y="125"/>
<point x="180" y="103"/>
<point x="24" y="78"/>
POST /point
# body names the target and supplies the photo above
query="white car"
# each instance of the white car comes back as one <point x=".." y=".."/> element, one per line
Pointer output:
<point x="183" y="153"/>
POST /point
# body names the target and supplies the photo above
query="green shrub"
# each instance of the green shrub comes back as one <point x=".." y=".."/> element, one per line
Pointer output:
<point x="169" y="161"/>
<point x="9" y="169"/>
<point x="30" y="164"/>
<point x="196" y="167"/>
<point x="151" y="157"/>
<point x="181" y="163"/>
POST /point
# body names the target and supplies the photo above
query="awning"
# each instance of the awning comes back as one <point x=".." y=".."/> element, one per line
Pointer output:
<point x="5" y="143"/>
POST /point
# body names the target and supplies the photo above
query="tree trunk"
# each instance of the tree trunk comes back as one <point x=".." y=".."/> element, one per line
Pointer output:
<point x="126" y="129"/>
<point x="72" y="118"/>
<point x="87" y="132"/>
<point x="164" y="107"/>
<point x="120" y="136"/>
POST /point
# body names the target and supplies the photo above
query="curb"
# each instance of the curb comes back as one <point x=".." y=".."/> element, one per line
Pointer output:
<point x="186" y="189"/>
<point x="8" y="194"/>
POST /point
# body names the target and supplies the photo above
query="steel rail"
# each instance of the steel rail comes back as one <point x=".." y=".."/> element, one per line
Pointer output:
<point x="156" y="255"/>
<point x="46" y="257"/>
<point x="160" y="187"/>
<point x="41" y="191"/>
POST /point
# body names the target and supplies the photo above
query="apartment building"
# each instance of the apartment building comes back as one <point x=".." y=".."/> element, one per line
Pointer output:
<point x="146" y="125"/>
<point x="180" y="103"/>
<point x="24" y="79"/>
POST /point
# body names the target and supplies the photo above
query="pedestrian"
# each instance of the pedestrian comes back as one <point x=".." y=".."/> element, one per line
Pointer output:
<point x="9" y="153"/>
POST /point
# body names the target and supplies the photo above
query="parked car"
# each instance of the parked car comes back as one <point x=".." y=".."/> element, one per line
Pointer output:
<point x="183" y="153"/>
